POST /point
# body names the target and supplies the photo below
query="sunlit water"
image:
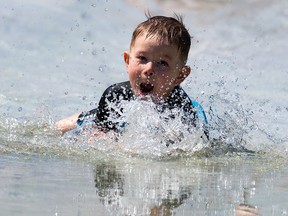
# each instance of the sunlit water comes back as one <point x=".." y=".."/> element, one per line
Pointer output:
<point x="57" y="57"/>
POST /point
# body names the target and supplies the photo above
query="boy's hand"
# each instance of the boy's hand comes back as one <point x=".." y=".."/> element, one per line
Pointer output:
<point x="67" y="124"/>
<point x="246" y="210"/>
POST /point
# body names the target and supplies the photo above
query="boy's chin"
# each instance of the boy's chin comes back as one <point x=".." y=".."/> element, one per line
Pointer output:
<point x="151" y="97"/>
<point x="145" y="97"/>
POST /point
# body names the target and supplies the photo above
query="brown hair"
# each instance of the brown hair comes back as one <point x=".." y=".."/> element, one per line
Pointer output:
<point x="166" y="29"/>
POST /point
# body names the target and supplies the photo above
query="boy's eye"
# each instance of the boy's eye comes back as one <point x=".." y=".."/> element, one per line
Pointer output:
<point x="162" y="64"/>
<point x="142" y="58"/>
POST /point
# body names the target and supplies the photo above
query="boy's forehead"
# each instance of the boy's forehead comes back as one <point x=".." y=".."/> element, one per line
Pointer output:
<point x="159" y="38"/>
<point x="154" y="40"/>
<point x="156" y="46"/>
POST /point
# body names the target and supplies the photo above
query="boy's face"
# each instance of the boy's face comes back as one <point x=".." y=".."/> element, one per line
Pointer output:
<point x="154" y="68"/>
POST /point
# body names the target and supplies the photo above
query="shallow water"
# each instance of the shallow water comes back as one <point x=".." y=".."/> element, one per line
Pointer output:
<point x="56" y="59"/>
<point x="33" y="185"/>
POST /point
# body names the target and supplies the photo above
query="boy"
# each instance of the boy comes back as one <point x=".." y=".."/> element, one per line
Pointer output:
<point x="156" y="66"/>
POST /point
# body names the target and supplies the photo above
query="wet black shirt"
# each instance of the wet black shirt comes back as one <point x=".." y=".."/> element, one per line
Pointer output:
<point x="115" y="94"/>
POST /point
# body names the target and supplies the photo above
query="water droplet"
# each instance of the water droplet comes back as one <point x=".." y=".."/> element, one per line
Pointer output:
<point x="211" y="98"/>
<point x="100" y="69"/>
<point x="278" y="109"/>
<point x="19" y="109"/>
<point x="84" y="39"/>
<point x="254" y="127"/>
<point x="84" y="98"/>
<point x="93" y="5"/>
<point x="94" y="52"/>
<point x="66" y="93"/>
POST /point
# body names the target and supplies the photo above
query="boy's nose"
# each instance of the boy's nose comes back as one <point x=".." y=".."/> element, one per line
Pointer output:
<point x="149" y="71"/>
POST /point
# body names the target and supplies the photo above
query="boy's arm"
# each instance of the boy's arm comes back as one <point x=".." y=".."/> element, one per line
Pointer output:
<point x="67" y="124"/>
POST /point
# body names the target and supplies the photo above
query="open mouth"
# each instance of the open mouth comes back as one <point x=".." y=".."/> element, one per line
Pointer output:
<point x="146" y="88"/>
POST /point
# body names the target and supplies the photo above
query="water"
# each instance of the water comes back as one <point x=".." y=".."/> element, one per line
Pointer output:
<point x="58" y="57"/>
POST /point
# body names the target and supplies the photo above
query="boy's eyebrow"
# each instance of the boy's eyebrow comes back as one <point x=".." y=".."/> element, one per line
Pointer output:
<point x="168" y="57"/>
<point x="165" y="56"/>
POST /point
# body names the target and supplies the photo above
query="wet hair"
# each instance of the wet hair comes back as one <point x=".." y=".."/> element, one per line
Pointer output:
<point x="166" y="29"/>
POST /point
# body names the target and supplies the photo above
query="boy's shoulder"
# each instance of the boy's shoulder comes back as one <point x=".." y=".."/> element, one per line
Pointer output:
<point x="181" y="98"/>
<point x="117" y="90"/>
<point x="119" y="86"/>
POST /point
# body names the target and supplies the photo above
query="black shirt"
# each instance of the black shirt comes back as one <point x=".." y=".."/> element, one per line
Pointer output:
<point x="115" y="94"/>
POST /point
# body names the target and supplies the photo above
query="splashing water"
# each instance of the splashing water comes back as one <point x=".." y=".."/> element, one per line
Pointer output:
<point x="239" y="126"/>
<point x="152" y="135"/>
<point x="146" y="134"/>
<point x="149" y="133"/>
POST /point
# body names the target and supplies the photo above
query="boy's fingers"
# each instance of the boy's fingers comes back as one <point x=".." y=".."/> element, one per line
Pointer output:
<point x="246" y="210"/>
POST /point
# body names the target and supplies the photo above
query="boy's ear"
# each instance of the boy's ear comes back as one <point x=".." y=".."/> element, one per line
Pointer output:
<point x="126" y="56"/>
<point x="184" y="73"/>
